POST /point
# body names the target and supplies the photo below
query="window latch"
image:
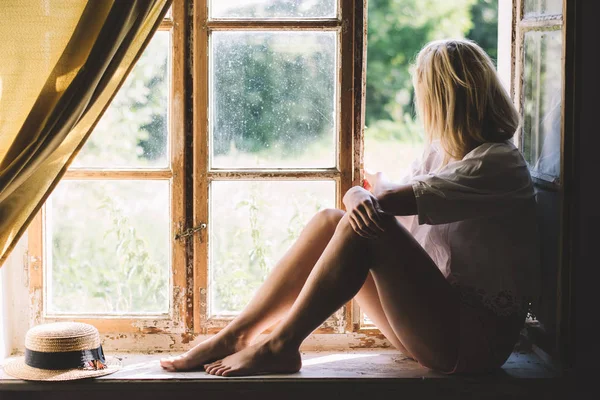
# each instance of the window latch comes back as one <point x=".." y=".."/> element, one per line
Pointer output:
<point x="190" y="231"/>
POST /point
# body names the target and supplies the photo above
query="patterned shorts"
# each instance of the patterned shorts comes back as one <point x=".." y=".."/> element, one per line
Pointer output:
<point x="486" y="339"/>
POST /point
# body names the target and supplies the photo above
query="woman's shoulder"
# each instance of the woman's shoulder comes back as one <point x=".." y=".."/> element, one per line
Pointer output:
<point x="505" y="153"/>
<point x="493" y="148"/>
<point x="487" y="158"/>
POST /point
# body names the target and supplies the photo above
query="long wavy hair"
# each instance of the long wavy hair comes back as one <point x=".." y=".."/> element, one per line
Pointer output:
<point x="460" y="99"/>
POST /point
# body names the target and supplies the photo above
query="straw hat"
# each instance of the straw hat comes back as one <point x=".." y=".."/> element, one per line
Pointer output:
<point x="62" y="351"/>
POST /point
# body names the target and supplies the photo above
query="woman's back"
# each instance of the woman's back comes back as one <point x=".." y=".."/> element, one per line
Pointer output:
<point x="476" y="220"/>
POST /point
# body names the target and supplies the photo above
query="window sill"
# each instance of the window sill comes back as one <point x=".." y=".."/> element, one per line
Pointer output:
<point x="369" y="372"/>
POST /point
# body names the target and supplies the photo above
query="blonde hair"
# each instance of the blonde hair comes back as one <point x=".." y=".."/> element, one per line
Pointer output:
<point x="460" y="98"/>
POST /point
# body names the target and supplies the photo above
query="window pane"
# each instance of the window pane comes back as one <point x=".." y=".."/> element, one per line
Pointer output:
<point x="253" y="223"/>
<point x="110" y="247"/>
<point x="542" y="103"/>
<point x="273" y="99"/>
<point x="543" y="7"/>
<point x="273" y="8"/>
<point x="133" y="131"/>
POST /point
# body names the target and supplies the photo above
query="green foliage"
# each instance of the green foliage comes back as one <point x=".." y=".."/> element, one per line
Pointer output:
<point x="272" y="90"/>
<point x="397" y="30"/>
<point x="485" y="26"/>
<point x="108" y="269"/>
<point x="133" y="131"/>
<point x="252" y="232"/>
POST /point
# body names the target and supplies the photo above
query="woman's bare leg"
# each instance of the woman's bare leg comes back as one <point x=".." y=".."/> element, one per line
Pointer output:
<point x="370" y="303"/>
<point x="417" y="300"/>
<point x="272" y="300"/>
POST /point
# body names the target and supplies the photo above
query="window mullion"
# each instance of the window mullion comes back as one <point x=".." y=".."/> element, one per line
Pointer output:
<point x="287" y="25"/>
<point x="198" y="307"/>
<point x="181" y="280"/>
<point x="105" y="174"/>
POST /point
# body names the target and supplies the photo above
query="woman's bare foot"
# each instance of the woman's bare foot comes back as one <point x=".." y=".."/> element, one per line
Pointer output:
<point x="261" y="358"/>
<point x="214" y="348"/>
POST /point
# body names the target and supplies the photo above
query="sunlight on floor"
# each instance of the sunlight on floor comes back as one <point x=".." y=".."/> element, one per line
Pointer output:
<point x="335" y="357"/>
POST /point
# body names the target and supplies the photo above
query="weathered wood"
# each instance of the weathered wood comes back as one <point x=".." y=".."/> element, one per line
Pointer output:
<point x="179" y="292"/>
<point x="278" y="174"/>
<point x="123" y="174"/>
<point x="174" y="320"/>
<point x="201" y="137"/>
<point x="266" y="24"/>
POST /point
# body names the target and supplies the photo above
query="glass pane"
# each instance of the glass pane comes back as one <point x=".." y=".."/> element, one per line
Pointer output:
<point x="273" y="9"/>
<point x="273" y="99"/>
<point x="543" y="7"/>
<point x="253" y="223"/>
<point x="133" y="131"/>
<point x="542" y="91"/>
<point x="110" y="247"/>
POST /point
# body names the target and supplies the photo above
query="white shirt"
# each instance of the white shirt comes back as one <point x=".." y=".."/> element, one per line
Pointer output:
<point x="476" y="220"/>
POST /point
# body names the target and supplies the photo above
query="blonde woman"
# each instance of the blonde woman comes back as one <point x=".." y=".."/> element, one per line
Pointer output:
<point x="443" y="262"/>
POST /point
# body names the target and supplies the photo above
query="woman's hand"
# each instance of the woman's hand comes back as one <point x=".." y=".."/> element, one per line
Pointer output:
<point x="363" y="212"/>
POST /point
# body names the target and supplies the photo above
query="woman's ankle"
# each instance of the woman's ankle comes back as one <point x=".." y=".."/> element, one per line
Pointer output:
<point x="281" y="343"/>
<point x="237" y="338"/>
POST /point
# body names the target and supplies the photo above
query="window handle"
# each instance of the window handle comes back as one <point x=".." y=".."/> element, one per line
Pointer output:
<point x="190" y="231"/>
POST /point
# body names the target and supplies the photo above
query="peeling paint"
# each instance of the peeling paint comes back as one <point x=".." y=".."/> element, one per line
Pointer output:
<point x="152" y="329"/>
<point x="35" y="302"/>
<point x="163" y="342"/>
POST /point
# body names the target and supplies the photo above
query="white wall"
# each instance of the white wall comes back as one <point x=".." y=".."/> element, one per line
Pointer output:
<point x="14" y="300"/>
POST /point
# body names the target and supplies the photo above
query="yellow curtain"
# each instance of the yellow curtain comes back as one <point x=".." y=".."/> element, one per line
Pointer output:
<point x="61" y="62"/>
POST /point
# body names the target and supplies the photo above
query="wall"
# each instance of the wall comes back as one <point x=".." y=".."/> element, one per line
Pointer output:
<point x="586" y="194"/>
<point x="549" y="223"/>
<point x="14" y="300"/>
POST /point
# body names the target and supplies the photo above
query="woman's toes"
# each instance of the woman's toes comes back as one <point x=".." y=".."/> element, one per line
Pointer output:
<point x="212" y="371"/>
<point x="213" y="368"/>
<point x="220" y="371"/>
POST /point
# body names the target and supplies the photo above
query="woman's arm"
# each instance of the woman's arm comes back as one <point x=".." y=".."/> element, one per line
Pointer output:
<point x="398" y="200"/>
<point x="394" y="199"/>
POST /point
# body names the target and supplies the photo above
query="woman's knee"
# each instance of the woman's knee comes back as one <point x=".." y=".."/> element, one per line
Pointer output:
<point x="329" y="218"/>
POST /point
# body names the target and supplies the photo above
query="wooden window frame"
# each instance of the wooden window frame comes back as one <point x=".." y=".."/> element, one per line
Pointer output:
<point x="175" y="319"/>
<point x="521" y="26"/>
<point x="191" y="176"/>
<point x="562" y="344"/>
<point x="349" y="23"/>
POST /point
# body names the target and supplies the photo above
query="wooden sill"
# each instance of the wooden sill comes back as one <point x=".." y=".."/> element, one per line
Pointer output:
<point x="348" y="374"/>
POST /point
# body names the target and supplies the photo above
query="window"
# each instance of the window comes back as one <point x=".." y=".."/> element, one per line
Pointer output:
<point x="226" y="137"/>
<point x="240" y="121"/>
<point x="540" y="93"/>
<point x="274" y="132"/>
<point x="539" y="85"/>
<point x="102" y="249"/>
